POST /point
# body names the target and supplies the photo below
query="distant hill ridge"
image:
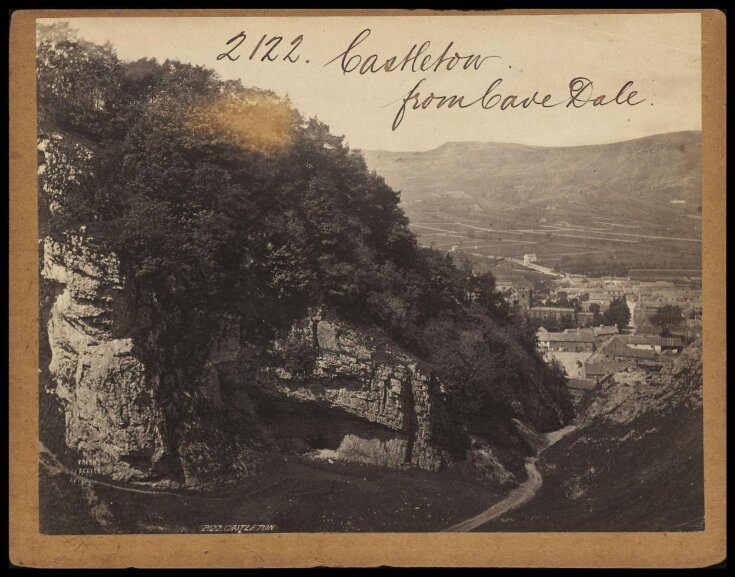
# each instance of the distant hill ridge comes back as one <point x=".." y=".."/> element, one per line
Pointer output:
<point x="650" y="170"/>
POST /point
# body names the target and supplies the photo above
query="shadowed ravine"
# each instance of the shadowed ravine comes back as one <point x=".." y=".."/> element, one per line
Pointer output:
<point x="520" y="494"/>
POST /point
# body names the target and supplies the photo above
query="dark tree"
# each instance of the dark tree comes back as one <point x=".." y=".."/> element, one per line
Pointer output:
<point x="597" y="317"/>
<point x="617" y="313"/>
<point x="666" y="317"/>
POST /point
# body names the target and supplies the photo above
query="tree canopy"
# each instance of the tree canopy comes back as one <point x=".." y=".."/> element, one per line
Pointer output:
<point x="223" y="199"/>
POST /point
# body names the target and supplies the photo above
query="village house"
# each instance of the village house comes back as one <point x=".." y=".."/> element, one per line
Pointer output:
<point x="585" y="319"/>
<point x="571" y="363"/>
<point x="529" y="258"/>
<point x="605" y="331"/>
<point x="653" y="342"/>
<point x="571" y="342"/>
<point x="555" y="313"/>
<point x="615" y="349"/>
<point x="603" y="304"/>
<point x="597" y="370"/>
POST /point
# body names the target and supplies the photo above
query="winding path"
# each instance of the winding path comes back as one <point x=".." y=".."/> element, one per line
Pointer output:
<point x="520" y="494"/>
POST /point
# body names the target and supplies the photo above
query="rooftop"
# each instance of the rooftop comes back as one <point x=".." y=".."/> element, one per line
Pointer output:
<point x="566" y="337"/>
<point x="582" y="384"/>
<point x="604" y="368"/>
<point x="605" y="330"/>
<point x="617" y="347"/>
<point x="653" y="340"/>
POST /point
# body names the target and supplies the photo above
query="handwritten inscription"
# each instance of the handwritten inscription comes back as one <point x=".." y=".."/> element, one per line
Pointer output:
<point x="421" y="58"/>
<point x="581" y="93"/>
<point x="235" y="528"/>
<point x="417" y="59"/>
<point x="267" y="48"/>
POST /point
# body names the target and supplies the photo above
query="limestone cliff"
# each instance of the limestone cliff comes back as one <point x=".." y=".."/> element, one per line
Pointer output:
<point x="137" y="407"/>
<point x="325" y="387"/>
<point x="109" y="395"/>
<point x="364" y="376"/>
<point x="105" y="370"/>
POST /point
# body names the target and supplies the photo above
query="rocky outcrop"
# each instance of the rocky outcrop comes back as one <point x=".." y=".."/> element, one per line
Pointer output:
<point x="634" y="463"/>
<point x="109" y="395"/>
<point x="105" y="372"/>
<point x="359" y="373"/>
<point x="126" y="416"/>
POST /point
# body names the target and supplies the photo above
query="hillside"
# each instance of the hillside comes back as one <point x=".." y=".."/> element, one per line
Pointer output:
<point x="647" y="171"/>
<point x="635" y="462"/>
<point x="596" y="210"/>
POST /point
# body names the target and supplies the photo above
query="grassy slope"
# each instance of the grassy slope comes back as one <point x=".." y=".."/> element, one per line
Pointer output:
<point x="653" y="483"/>
<point x="507" y="187"/>
<point x="635" y="463"/>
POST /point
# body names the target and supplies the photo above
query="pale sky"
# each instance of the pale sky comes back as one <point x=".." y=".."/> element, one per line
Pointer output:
<point x="659" y="53"/>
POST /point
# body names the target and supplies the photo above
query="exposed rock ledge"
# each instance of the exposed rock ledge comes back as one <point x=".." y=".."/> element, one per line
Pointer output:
<point x="134" y="419"/>
<point x="360" y="374"/>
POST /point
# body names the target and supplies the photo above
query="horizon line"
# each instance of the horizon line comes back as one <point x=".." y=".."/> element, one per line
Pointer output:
<point x="505" y="142"/>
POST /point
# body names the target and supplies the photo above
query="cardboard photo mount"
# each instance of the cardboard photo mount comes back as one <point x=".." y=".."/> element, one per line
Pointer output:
<point x="29" y="548"/>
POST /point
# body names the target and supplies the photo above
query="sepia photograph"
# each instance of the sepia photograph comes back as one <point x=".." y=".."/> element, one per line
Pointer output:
<point x="370" y="274"/>
<point x="248" y="324"/>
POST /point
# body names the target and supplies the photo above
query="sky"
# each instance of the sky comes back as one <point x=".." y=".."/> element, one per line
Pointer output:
<point x="659" y="53"/>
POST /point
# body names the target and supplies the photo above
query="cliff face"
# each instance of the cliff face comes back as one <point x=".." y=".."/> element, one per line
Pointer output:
<point x="105" y="371"/>
<point x="109" y="396"/>
<point x="326" y="388"/>
<point x="363" y="376"/>
<point x="102" y="366"/>
<point x="138" y="409"/>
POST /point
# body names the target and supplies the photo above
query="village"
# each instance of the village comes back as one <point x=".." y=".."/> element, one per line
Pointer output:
<point x="595" y="327"/>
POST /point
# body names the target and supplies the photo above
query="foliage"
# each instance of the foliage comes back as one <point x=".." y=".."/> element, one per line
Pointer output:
<point x="597" y="317"/>
<point x="553" y="325"/>
<point x="666" y="317"/>
<point x="617" y="313"/>
<point x="223" y="199"/>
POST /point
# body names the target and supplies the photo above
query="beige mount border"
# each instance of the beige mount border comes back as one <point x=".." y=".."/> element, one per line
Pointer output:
<point x="29" y="548"/>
